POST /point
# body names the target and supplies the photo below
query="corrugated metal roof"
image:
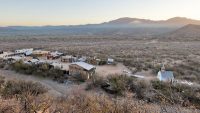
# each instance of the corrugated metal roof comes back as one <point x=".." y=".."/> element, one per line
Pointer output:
<point x="56" y="53"/>
<point x="23" y="50"/>
<point x="84" y="65"/>
<point x="67" y="56"/>
<point x="82" y="59"/>
<point x="27" y="53"/>
<point x="34" y="60"/>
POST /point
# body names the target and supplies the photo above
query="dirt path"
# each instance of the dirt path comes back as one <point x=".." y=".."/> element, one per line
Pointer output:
<point x="55" y="89"/>
<point x="106" y="70"/>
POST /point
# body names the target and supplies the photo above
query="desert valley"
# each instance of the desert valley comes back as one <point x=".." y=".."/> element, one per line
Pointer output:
<point x="121" y="66"/>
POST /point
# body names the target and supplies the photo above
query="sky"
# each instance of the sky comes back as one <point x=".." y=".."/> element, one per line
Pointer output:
<point x="75" y="12"/>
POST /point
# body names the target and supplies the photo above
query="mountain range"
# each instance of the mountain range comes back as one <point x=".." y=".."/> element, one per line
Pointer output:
<point x="122" y="26"/>
<point x="176" y="21"/>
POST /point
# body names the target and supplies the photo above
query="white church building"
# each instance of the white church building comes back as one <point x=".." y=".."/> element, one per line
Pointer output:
<point x="165" y="76"/>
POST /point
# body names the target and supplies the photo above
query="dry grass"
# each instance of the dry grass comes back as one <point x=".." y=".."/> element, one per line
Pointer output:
<point x="81" y="102"/>
<point x="180" y="56"/>
<point x="137" y="54"/>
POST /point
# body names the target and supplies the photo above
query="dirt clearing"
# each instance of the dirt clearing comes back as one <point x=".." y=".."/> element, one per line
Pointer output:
<point x="106" y="70"/>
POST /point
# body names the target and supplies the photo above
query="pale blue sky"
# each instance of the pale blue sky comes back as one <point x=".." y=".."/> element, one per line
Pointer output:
<point x="72" y="12"/>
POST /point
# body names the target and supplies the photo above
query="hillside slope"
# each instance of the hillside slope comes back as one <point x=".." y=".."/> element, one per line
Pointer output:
<point x="188" y="32"/>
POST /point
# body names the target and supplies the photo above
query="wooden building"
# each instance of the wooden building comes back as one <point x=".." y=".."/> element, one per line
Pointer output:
<point x="54" y="55"/>
<point x="82" y="69"/>
<point x="40" y="53"/>
<point x="68" y="59"/>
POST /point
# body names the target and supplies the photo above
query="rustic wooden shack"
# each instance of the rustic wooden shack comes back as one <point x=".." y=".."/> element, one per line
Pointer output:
<point x="68" y="59"/>
<point x="82" y="59"/>
<point x="82" y="69"/>
<point x="96" y="61"/>
<point x="54" y="55"/>
<point x="40" y="53"/>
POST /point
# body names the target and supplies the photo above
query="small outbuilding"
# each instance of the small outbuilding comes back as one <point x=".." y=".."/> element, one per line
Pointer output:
<point x="82" y="59"/>
<point x="54" y="55"/>
<point x="82" y="69"/>
<point x="23" y="51"/>
<point x="40" y="53"/>
<point x="28" y="53"/>
<point x="68" y="59"/>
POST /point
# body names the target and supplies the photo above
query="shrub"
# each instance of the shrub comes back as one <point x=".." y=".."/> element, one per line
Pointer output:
<point x="55" y="73"/>
<point x="117" y="84"/>
<point x="90" y="103"/>
<point x="2" y="63"/>
<point x="9" y="106"/>
<point x="35" y="104"/>
<point x="177" y="93"/>
<point x="102" y="62"/>
<point x="2" y="81"/>
<point x="140" y="87"/>
<point x="156" y="69"/>
<point x="13" y="88"/>
<point x="158" y="85"/>
<point x="97" y="81"/>
<point x="42" y="70"/>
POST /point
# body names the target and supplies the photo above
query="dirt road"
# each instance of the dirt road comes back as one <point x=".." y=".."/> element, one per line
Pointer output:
<point x="55" y="89"/>
<point x="106" y="70"/>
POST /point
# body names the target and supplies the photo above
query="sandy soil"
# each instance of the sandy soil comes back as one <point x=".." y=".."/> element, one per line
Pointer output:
<point x="147" y="74"/>
<point x="106" y="70"/>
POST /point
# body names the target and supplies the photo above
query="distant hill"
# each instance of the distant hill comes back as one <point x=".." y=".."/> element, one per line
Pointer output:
<point x="176" y="21"/>
<point x="188" y="32"/>
<point x="122" y="26"/>
<point x="182" y="21"/>
<point x="6" y="29"/>
<point x="127" y="20"/>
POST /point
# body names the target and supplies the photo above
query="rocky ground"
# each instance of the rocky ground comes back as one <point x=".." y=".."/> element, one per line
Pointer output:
<point x="181" y="56"/>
